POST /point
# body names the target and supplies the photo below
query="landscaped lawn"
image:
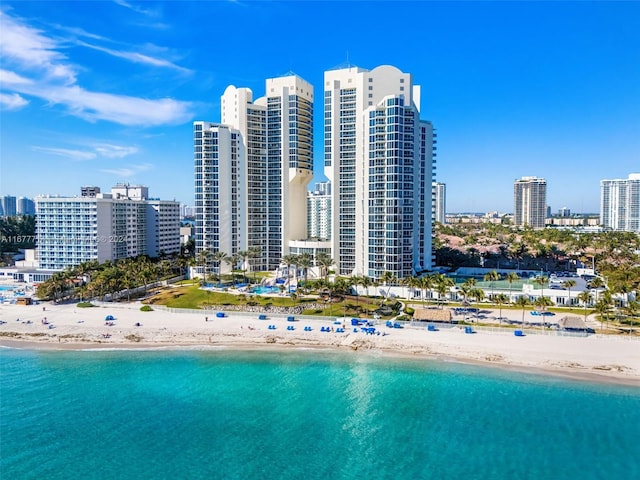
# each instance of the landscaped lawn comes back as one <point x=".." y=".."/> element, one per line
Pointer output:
<point x="194" y="297"/>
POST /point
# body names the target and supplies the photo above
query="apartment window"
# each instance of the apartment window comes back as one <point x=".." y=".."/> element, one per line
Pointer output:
<point x="370" y="79"/>
<point x="402" y="80"/>
<point x="370" y="87"/>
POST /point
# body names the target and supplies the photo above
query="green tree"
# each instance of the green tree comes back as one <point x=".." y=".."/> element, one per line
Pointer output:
<point x="501" y="299"/>
<point x="477" y="294"/>
<point x="569" y="284"/>
<point x="512" y="277"/>
<point x="523" y="302"/>
<point x="492" y="277"/>
<point x="387" y="278"/>
<point x="585" y="298"/>
<point x="325" y="262"/>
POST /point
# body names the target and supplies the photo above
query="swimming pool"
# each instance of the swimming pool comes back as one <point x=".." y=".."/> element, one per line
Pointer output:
<point x="265" y="289"/>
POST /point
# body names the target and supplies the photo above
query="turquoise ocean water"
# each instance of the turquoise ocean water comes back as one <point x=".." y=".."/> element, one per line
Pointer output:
<point x="304" y="415"/>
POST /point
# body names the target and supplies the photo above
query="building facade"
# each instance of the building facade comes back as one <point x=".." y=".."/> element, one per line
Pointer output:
<point x="8" y="204"/>
<point x="530" y="202"/>
<point x="73" y="230"/>
<point x="25" y="206"/>
<point x="271" y="167"/>
<point x="378" y="156"/>
<point x="620" y="204"/>
<point x="221" y="223"/>
<point x="440" y="201"/>
<point x="319" y="212"/>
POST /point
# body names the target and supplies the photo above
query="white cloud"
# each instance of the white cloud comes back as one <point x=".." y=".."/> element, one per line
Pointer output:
<point x="95" y="150"/>
<point x="129" y="171"/>
<point x="137" y="57"/>
<point x="78" y="155"/>
<point x="8" y="78"/>
<point x="12" y="102"/>
<point x="46" y="74"/>
<point x="137" y="9"/>
<point x="28" y="48"/>
<point x="114" y="151"/>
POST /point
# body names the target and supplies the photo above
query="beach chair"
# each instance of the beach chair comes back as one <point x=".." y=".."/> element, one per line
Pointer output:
<point x="468" y="330"/>
<point x="262" y="316"/>
<point x="291" y="319"/>
<point x="518" y="333"/>
<point x="431" y="328"/>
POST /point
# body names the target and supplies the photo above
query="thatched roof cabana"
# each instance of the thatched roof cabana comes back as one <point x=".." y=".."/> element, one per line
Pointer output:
<point x="432" y="315"/>
<point x="572" y="322"/>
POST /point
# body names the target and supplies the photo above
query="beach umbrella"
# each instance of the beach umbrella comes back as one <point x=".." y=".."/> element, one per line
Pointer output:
<point x="109" y="317"/>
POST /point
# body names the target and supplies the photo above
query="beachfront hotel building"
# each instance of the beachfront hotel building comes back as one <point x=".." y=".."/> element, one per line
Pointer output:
<point x="530" y="202"/>
<point x="379" y="158"/>
<point x="106" y="226"/>
<point x="620" y="204"/>
<point x="440" y="202"/>
<point x="257" y="191"/>
<point x="220" y="187"/>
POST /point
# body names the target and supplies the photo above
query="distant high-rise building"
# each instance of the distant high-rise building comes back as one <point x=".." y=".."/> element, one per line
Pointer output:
<point x="271" y="141"/>
<point x="26" y="206"/>
<point x="378" y="155"/>
<point x="89" y="191"/>
<point x="620" y="204"/>
<point x="319" y="212"/>
<point x="530" y="202"/>
<point x="8" y="206"/>
<point x="564" y="212"/>
<point x="440" y="199"/>
<point x="73" y="230"/>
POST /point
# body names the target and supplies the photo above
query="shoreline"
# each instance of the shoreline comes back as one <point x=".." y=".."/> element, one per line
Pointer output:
<point x="586" y="376"/>
<point x="600" y="359"/>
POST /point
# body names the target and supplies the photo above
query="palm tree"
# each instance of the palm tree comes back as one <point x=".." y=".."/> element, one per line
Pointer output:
<point x="366" y="282"/>
<point x="443" y="284"/>
<point x="289" y="260"/>
<point x="585" y="297"/>
<point x="387" y="278"/>
<point x="254" y="252"/>
<point x="305" y="261"/>
<point x="243" y="258"/>
<point x="477" y="294"/>
<point x="569" y="284"/>
<point x="218" y="258"/>
<point x="523" y="302"/>
<point x="541" y="280"/>
<point x="425" y="283"/>
<point x="492" y="276"/>
<point x="597" y="283"/>
<point x="325" y="261"/>
<point x="512" y="277"/>
<point x="603" y="307"/>
<point x="542" y="303"/>
<point x="203" y="258"/>
<point x="501" y="299"/>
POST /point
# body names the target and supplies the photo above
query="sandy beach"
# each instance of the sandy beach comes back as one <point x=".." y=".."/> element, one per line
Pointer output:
<point x="602" y="358"/>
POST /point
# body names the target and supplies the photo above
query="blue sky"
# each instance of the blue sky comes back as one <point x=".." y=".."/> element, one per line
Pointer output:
<point x="99" y="92"/>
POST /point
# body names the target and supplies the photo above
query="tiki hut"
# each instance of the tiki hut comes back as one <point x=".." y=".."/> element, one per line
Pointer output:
<point x="572" y="323"/>
<point x="432" y="315"/>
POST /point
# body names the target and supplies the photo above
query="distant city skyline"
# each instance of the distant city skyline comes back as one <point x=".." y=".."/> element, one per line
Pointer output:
<point x="514" y="89"/>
